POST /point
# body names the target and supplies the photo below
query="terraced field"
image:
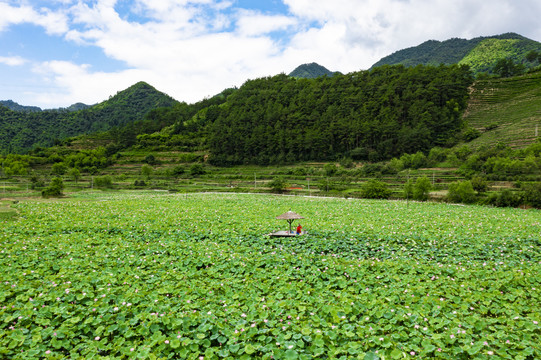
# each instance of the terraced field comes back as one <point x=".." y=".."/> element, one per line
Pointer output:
<point x="506" y="110"/>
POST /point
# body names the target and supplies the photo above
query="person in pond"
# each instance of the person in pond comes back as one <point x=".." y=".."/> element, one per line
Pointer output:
<point x="299" y="229"/>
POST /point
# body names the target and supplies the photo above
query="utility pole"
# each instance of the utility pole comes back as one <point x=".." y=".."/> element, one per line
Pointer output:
<point x="408" y="190"/>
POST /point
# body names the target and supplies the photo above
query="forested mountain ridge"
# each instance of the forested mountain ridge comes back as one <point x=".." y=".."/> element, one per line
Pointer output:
<point x="310" y="71"/>
<point x="20" y="131"/>
<point x="481" y="53"/>
<point x="367" y="115"/>
<point x="12" y="105"/>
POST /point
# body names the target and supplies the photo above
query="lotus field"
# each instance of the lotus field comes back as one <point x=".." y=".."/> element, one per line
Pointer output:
<point x="169" y="276"/>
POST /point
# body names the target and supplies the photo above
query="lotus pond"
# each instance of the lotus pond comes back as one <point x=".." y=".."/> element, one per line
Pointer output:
<point x="168" y="276"/>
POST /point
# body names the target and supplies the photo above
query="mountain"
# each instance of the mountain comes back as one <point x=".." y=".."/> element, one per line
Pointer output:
<point x="78" y="106"/>
<point x="310" y="71"/>
<point x="481" y="53"/>
<point x="12" y="105"/>
<point x="21" y="131"/>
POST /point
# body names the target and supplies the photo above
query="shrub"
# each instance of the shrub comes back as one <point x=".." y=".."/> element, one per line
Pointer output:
<point x="150" y="159"/>
<point x="421" y="189"/>
<point x="330" y="169"/>
<point x="147" y="170"/>
<point x="347" y="163"/>
<point x="278" y="185"/>
<point x="103" y="182"/>
<point x="418" y="160"/>
<point x="532" y="195"/>
<point x="54" y="189"/>
<point x="372" y="169"/>
<point x="37" y="182"/>
<point x="140" y="183"/>
<point x="479" y="184"/>
<point x="75" y="174"/>
<point x="59" y="168"/>
<point x="408" y="189"/>
<point x="197" y="169"/>
<point x="470" y="134"/>
<point x="504" y="198"/>
<point x="375" y="189"/>
<point x="461" y="192"/>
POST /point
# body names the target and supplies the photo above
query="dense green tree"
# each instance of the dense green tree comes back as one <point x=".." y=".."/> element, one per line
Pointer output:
<point x="479" y="184"/>
<point x="532" y="195"/>
<point x="421" y="189"/>
<point x="461" y="192"/>
<point x="147" y="171"/>
<point x="75" y="174"/>
<point x="103" y="182"/>
<point x="369" y="115"/>
<point x="197" y="169"/>
<point x="278" y="184"/>
<point x="59" y="168"/>
<point x="54" y="189"/>
<point x="374" y="189"/>
<point x="507" y="68"/>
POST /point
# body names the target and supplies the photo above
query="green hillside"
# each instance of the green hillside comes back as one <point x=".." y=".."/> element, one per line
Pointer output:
<point x="12" y="105"/>
<point x="481" y="53"/>
<point x="20" y="131"/>
<point x="310" y="71"/>
<point x="506" y="110"/>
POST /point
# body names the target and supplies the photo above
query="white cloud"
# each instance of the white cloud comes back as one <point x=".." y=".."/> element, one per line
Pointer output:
<point x="54" y="22"/>
<point x="364" y="31"/>
<point x="12" y="60"/>
<point x="251" y="23"/>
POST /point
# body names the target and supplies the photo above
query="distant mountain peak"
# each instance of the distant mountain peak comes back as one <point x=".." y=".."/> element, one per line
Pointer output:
<point x="480" y="53"/>
<point x="12" y="105"/>
<point x="310" y="71"/>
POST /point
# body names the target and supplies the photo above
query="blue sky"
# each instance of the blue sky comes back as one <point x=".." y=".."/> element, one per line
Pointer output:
<point x="58" y="52"/>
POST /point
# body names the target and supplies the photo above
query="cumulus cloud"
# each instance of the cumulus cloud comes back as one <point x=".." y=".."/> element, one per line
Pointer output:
<point x="252" y="23"/>
<point x="12" y="60"/>
<point x="363" y="31"/>
<point x="54" y="22"/>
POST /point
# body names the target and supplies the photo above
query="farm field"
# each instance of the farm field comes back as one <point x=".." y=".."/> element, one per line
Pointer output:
<point x="155" y="275"/>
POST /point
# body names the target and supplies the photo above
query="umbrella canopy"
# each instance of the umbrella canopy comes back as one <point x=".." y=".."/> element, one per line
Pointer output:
<point x="290" y="216"/>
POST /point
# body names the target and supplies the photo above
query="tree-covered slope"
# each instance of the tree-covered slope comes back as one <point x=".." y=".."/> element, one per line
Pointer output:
<point x="310" y="71"/>
<point x="12" y="105"/>
<point x="21" y="131"/>
<point x="372" y="115"/>
<point x="481" y="53"/>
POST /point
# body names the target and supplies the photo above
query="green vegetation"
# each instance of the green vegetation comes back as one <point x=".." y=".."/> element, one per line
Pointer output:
<point x="488" y="52"/>
<point x="480" y="54"/>
<point x="21" y="131"/>
<point x="54" y="189"/>
<point x="310" y="71"/>
<point x="505" y="111"/>
<point x="375" y="189"/>
<point x="6" y="212"/>
<point x="414" y="131"/>
<point x="373" y="114"/>
<point x="136" y="275"/>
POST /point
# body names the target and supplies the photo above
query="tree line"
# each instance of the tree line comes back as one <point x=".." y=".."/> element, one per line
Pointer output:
<point x="373" y="115"/>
